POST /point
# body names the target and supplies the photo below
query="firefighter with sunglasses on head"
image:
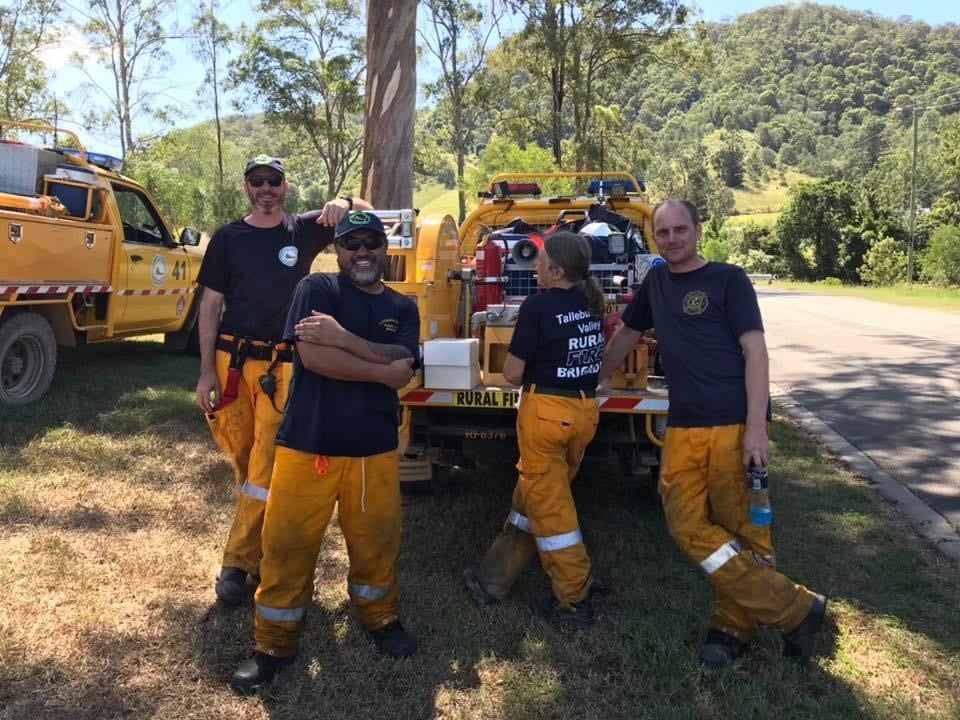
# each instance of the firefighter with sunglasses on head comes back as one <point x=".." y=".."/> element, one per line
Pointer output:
<point x="248" y="274"/>
<point x="555" y="353"/>
<point x="356" y="343"/>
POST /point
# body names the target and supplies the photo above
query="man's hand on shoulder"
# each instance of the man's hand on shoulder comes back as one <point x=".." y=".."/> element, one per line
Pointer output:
<point x="335" y="210"/>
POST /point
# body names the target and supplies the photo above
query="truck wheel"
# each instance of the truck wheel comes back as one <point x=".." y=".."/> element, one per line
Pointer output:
<point x="28" y="356"/>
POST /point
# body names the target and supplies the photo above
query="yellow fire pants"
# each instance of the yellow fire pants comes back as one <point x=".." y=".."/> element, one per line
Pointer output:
<point x="245" y="430"/>
<point x="367" y="492"/>
<point x="553" y="433"/>
<point x="707" y="506"/>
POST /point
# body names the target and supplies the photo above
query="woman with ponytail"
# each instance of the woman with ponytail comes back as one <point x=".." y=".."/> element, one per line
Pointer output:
<point x="555" y="354"/>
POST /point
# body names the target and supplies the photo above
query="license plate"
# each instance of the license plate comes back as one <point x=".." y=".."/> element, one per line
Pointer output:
<point x="486" y="398"/>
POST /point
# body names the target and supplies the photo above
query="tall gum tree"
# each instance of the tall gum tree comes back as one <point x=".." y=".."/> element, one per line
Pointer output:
<point x="390" y="103"/>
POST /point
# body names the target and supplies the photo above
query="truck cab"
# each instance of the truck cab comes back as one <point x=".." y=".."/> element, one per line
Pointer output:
<point x="85" y="256"/>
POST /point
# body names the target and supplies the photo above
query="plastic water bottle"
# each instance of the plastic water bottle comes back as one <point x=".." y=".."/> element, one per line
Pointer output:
<point x="761" y="514"/>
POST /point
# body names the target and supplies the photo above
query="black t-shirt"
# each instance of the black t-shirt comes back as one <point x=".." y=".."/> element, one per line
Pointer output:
<point x="699" y="317"/>
<point x="257" y="269"/>
<point x="340" y="417"/>
<point x="559" y="340"/>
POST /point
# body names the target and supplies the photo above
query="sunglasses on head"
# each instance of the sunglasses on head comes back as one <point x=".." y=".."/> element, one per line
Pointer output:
<point x="353" y="242"/>
<point x="273" y="180"/>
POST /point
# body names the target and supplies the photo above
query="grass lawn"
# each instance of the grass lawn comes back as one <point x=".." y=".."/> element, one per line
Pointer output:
<point x="922" y="296"/>
<point x="436" y="200"/>
<point x="114" y="507"/>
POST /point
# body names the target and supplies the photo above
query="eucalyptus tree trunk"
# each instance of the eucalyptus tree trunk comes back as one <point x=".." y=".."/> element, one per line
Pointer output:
<point x="391" y="93"/>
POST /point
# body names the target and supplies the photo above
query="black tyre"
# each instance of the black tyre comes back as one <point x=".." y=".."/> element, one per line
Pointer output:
<point x="28" y="357"/>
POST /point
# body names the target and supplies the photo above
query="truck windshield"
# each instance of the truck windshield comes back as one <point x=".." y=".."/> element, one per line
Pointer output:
<point x="141" y="222"/>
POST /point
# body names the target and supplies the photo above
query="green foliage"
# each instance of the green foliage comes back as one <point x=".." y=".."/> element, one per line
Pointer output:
<point x="715" y="250"/>
<point x="128" y="40"/>
<point x="728" y="160"/>
<point x="811" y="229"/>
<point x="686" y="175"/>
<point x="885" y="263"/>
<point x="502" y="155"/>
<point x="304" y="63"/>
<point x="941" y="262"/>
<point x="26" y="27"/>
<point x="830" y="282"/>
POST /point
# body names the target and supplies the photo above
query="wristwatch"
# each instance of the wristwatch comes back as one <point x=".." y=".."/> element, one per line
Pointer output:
<point x="349" y="203"/>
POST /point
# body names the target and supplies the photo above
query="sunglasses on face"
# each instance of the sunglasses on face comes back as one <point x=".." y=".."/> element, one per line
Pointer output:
<point x="353" y="242"/>
<point x="272" y="180"/>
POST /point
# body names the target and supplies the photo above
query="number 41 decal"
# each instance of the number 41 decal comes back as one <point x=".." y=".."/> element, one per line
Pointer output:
<point x="180" y="270"/>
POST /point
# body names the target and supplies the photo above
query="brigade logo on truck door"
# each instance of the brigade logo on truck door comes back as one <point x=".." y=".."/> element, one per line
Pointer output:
<point x="159" y="271"/>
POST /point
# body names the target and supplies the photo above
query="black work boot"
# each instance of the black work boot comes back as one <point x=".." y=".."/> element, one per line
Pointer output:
<point x="798" y="643"/>
<point x="232" y="587"/>
<point x="471" y="581"/>
<point x="577" y="616"/>
<point x="394" y="641"/>
<point x="257" y="671"/>
<point x="720" y="650"/>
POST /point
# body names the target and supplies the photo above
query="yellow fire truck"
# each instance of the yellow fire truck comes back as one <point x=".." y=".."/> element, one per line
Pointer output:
<point x="85" y="256"/>
<point x="469" y="282"/>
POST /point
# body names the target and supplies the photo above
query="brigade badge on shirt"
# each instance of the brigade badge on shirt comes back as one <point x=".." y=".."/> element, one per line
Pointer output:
<point x="288" y="255"/>
<point x="390" y="325"/>
<point x="695" y="302"/>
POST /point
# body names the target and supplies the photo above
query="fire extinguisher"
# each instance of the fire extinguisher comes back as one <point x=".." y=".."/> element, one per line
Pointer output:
<point x="489" y="277"/>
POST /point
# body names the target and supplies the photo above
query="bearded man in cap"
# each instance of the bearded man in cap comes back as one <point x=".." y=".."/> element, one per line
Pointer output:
<point x="248" y="274"/>
<point x="357" y="343"/>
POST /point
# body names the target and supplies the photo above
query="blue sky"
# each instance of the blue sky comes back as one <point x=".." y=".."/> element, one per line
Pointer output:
<point x="181" y="86"/>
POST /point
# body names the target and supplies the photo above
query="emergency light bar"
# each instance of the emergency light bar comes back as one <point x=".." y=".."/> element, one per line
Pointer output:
<point x="107" y="162"/>
<point x="614" y="188"/>
<point x="506" y="189"/>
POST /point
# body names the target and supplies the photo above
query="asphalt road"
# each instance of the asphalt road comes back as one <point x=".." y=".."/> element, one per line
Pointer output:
<point x="885" y="377"/>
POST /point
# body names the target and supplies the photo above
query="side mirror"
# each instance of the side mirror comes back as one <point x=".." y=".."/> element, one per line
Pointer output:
<point x="190" y="236"/>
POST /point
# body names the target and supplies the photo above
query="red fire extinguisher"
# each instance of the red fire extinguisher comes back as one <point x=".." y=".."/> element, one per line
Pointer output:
<point x="489" y="278"/>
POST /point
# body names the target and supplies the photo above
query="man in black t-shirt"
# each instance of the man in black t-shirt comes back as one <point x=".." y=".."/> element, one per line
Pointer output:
<point x="711" y="338"/>
<point x="248" y="274"/>
<point x="357" y="342"/>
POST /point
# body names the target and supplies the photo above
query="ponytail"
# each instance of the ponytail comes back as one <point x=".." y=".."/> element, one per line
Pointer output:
<point x="592" y="295"/>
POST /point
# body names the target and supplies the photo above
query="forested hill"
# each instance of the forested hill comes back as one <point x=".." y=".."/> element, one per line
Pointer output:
<point x="818" y="85"/>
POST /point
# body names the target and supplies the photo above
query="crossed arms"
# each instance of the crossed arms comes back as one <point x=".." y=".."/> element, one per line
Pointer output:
<point x="327" y="348"/>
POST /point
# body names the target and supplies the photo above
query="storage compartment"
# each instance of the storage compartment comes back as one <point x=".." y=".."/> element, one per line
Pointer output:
<point x="22" y="168"/>
<point x="496" y="344"/>
<point x="632" y="375"/>
<point x="77" y="198"/>
<point x="451" y="364"/>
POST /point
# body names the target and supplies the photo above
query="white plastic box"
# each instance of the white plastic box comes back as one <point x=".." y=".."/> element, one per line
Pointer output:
<point x="451" y="364"/>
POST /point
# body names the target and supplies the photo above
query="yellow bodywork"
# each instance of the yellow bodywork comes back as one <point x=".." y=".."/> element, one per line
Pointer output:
<point x="50" y="259"/>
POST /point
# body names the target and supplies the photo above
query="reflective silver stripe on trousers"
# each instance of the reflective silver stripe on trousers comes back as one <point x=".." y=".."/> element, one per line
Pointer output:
<point x="721" y="556"/>
<point x="281" y="614"/>
<point x="559" y="542"/>
<point x="520" y="521"/>
<point x="368" y="592"/>
<point x="254" y="491"/>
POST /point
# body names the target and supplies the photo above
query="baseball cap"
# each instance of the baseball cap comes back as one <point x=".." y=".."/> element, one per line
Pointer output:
<point x="359" y="221"/>
<point x="264" y="161"/>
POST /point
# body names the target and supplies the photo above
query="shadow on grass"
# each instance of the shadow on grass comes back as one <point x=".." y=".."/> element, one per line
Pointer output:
<point x="136" y="385"/>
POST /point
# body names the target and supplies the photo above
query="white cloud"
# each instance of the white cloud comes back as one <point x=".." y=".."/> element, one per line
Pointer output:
<point x="58" y="54"/>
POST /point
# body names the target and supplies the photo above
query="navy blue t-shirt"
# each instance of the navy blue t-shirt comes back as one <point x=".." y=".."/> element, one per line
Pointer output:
<point x="699" y="317"/>
<point x="559" y="340"/>
<point x="343" y="418"/>
<point x="257" y="269"/>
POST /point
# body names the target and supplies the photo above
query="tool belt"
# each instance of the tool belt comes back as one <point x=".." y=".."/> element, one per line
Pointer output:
<point x="559" y="392"/>
<point x="250" y="349"/>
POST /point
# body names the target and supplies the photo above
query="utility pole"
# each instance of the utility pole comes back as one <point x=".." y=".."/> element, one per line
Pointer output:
<point x="913" y="201"/>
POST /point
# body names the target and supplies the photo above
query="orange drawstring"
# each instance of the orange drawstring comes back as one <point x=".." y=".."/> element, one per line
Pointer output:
<point x="321" y="464"/>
